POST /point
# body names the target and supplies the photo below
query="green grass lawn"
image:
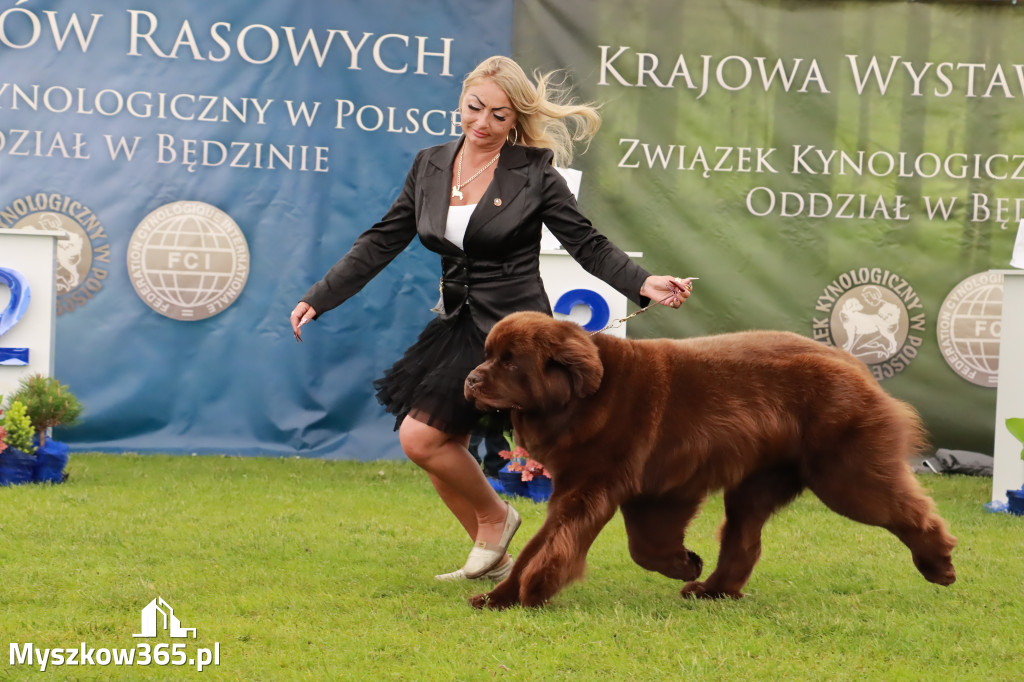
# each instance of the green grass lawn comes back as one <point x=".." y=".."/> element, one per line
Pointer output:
<point x="310" y="570"/>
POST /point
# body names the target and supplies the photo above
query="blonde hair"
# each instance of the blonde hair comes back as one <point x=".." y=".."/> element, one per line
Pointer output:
<point x="544" y="111"/>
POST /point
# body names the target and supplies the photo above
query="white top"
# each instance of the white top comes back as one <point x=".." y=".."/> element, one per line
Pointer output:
<point x="458" y="221"/>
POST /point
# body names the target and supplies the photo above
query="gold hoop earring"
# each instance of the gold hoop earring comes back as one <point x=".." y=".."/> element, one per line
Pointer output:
<point x="514" y="140"/>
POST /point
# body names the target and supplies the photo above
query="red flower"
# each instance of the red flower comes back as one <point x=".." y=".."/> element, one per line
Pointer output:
<point x="519" y="460"/>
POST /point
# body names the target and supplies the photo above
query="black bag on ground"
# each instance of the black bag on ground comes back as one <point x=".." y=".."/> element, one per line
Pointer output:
<point x="956" y="462"/>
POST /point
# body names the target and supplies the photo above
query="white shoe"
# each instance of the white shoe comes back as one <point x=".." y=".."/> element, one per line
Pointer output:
<point x="498" y="574"/>
<point x="485" y="556"/>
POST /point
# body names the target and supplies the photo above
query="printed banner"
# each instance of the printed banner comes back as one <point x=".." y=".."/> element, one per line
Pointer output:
<point x="847" y="170"/>
<point x="208" y="162"/>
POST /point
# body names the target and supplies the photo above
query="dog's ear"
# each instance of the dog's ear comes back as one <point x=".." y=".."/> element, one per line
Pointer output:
<point x="578" y="355"/>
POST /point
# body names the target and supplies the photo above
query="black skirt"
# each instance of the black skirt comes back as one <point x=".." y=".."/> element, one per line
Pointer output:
<point x="428" y="380"/>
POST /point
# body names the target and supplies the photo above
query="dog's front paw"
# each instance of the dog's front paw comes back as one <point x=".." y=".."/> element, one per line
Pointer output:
<point x="491" y="600"/>
<point x="693" y="590"/>
<point x="700" y="590"/>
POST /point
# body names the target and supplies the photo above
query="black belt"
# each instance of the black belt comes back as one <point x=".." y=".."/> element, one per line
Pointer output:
<point x="458" y="272"/>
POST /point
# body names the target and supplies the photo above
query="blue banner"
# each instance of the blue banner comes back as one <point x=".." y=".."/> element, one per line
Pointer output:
<point x="208" y="162"/>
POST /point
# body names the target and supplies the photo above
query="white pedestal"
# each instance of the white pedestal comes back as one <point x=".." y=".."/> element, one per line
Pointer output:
<point x="583" y="298"/>
<point x="1008" y="468"/>
<point x="30" y="254"/>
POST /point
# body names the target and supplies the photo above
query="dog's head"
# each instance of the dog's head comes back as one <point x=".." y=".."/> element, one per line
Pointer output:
<point x="534" y="363"/>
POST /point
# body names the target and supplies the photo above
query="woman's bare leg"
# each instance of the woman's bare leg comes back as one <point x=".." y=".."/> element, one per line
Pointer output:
<point x="457" y="478"/>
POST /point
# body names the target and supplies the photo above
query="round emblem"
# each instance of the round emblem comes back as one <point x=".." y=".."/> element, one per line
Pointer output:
<point x="82" y="260"/>
<point x="874" y="314"/>
<point x="188" y="260"/>
<point x="969" y="327"/>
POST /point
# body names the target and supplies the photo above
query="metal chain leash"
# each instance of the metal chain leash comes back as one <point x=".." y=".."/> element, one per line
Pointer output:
<point x="615" y="324"/>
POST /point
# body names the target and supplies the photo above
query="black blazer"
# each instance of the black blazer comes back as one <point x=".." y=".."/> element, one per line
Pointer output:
<point x="498" y="273"/>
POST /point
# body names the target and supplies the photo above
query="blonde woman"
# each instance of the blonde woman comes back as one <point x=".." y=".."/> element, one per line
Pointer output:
<point x="479" y="202"/>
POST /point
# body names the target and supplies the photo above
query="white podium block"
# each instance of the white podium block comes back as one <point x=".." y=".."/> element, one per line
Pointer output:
<point x="28" y="309"/>
<point x="1007" y="466"/>
<point x="574" y="293"/>
<point x="577" y="295"/>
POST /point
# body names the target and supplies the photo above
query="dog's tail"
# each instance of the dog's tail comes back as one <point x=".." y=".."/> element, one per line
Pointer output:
<point x="913" y="435"/>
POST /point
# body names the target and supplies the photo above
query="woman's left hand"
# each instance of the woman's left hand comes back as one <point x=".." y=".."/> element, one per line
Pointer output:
<point x="667" y="290"/>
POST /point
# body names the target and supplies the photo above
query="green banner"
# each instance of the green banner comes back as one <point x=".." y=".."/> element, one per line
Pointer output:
<point x="851" y="171"/>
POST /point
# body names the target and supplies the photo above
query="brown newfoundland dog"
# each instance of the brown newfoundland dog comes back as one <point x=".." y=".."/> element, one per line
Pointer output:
<point x="653" y="426"/>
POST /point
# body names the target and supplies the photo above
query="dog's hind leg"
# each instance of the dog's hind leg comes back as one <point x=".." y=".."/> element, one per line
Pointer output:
<point x="656" y="527"/>
<point x="885" y="493"/>
<point x="747" y="507"/>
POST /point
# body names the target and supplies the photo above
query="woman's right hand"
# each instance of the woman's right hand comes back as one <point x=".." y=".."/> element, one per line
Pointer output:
<point x="302" y="314"/>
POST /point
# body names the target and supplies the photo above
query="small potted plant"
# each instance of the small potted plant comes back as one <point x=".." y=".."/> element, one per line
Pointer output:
<point x="510" y="475"/>
<point x="1015" y="498"/>
<point x="48" y="403"/>
<point x="17" y="462"/>
<point x="538" y="481"/>
<point x="523" y="475"/>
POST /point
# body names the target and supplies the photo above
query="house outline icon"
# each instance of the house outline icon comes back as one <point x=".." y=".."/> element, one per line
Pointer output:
<point x="150" y="624"/>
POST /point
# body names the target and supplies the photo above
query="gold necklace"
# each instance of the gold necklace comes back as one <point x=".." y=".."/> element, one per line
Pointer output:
<point x="459" y="184"/>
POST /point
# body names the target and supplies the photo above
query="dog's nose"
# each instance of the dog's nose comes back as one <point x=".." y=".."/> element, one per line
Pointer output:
<point x="472" y="380"/>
